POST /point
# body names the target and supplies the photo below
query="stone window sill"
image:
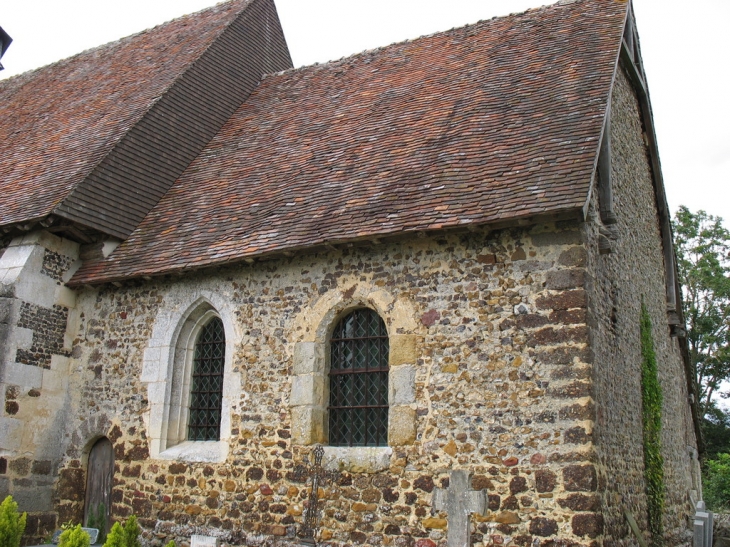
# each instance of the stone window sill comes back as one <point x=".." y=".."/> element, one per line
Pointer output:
<point x="357" y="459"/>
<point x="197" y="451"/>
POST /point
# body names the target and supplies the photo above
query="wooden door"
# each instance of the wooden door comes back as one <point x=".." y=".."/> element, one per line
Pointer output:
<point x="99" y="486"/>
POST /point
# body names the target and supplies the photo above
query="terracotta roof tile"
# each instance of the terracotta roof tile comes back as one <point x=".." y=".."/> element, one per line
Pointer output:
<point x="61" y="120"/>
<point x="485" y="123"/>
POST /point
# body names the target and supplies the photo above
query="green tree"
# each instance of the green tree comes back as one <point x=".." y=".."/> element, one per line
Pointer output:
<point x="124" y="536"/>
<point x="703" y="259"/>
<point x="12" y="523"/>
<point x="131" y="533"/>
<point x="716" y="431"/>
<point x="115" y="538"/>
<point x="97" y="519"/>
<point x="716" y="483"/>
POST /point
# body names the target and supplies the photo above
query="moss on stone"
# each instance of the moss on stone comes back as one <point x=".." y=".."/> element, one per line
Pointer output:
<point x="652" y="420"/>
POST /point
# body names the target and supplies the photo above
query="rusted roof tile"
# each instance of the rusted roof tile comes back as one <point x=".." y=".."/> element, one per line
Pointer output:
<point x="61" y="120"/>
<point x="485" y="123"/>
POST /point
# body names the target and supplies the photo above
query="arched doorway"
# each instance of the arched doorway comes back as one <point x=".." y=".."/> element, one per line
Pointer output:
<point x="99" y="474"/>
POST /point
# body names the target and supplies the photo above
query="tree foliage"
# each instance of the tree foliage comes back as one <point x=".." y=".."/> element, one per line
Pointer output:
<point x="716" y="431"/>
<point x="703" y="259"/>
<point x="716" y="483"/>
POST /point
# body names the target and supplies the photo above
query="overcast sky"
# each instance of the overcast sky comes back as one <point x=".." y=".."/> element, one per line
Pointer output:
<point x="686" y="50"/>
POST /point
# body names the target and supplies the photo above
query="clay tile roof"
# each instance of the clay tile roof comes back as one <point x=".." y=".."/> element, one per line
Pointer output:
<point x="61" y="120"/>
<point x="489" y="122"/>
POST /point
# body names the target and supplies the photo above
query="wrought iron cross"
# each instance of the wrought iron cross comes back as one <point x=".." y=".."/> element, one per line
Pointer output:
<point x="320" y="477"/>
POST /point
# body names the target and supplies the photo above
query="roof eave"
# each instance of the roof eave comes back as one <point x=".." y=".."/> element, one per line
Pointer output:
<point x="566" y="214"/>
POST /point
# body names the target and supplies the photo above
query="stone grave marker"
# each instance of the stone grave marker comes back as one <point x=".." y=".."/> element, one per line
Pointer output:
<point x="203" y="541"/>
<point x="319" y="477"/>
<point x="93" y="535"/>
<point x="703" y="523"/>
<point x="459" y="501"/>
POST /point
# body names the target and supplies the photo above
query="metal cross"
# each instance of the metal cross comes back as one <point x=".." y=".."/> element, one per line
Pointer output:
<point x="459" y="501"/>
<point x="320" y="477"/>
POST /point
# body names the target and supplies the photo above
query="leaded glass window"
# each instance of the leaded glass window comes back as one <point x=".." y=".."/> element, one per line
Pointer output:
<point x="206" y="392"/>
<point x="358" y="405"/>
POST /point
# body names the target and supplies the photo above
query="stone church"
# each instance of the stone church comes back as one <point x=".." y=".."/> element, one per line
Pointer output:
<point x="444" y="254"/>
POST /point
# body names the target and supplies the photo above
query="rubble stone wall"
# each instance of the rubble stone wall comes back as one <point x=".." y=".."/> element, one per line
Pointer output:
<point x="521" y="347"/>
<point x="502" y="380"/>
<point x="617" y="284"/>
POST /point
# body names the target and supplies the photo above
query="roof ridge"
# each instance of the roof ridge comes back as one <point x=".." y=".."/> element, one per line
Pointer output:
<point x="151" y="63"/>
<point x="335" y="62"/>
<point x="123" y="39"/>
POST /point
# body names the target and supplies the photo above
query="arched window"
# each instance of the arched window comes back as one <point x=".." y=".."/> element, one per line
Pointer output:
<point x="196" y="392"/>
<point x="192" y="385"/>
<point x="358" y="381"/>
<point x="206" y="386"/>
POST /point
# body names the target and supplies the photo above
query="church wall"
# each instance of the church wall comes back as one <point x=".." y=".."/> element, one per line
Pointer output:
<point x="34" y="350"/>
<point x="617" y="283"/>
<point x="4" y="242"/>
<point x="502" y="379"/>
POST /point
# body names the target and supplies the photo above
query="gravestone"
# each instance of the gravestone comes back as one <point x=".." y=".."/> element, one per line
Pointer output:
<point x="459" y="501"/>
<point x="203" y="541"/>
<point x="93" y="535"/>
<point x="703" y="523"/>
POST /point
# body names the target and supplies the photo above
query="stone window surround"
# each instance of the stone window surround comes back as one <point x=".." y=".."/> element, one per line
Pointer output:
<point x="172" y="345"/>
<point x="309" y="390"/>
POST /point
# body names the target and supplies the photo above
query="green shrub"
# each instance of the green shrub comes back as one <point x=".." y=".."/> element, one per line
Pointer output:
<point x="652" y="419"/>
<point x="97" y="519"/>
<point x="115" y="538"/>
<point x="170" y="543"/>
<point x="12" y="524"/>
<point x="131" y="533"/>
<point x="74" y="537"/>
<point x="716" y="483"/>
<point x="124" y="536"/>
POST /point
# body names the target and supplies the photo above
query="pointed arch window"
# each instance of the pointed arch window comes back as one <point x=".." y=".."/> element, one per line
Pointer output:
<point x="206" y="383"/>
<point x="358" y="381"/>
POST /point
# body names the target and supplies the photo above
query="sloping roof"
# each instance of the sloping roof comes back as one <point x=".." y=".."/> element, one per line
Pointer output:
<point x="493" y="121"/>
<point x="98" y="138"/>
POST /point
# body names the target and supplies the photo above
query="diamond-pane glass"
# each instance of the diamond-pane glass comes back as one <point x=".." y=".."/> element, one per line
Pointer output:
<point x="206" y="393"/>
<point x="358" y="406"/>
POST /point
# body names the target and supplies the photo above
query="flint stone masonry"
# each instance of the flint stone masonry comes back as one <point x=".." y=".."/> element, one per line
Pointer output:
<point x="49" y="328"/>
<point x="513" y="356"/>
<point x="459" y="395"/>
<point x="619" y="282"/>
<point x="56" y="265"/>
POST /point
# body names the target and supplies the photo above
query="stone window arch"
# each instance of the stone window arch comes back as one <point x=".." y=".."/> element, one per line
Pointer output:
<point x="358" y="381"/>
<point x="191" y="385"/>
<point x="309" y="397"/>
<point x="197" y="389"/>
